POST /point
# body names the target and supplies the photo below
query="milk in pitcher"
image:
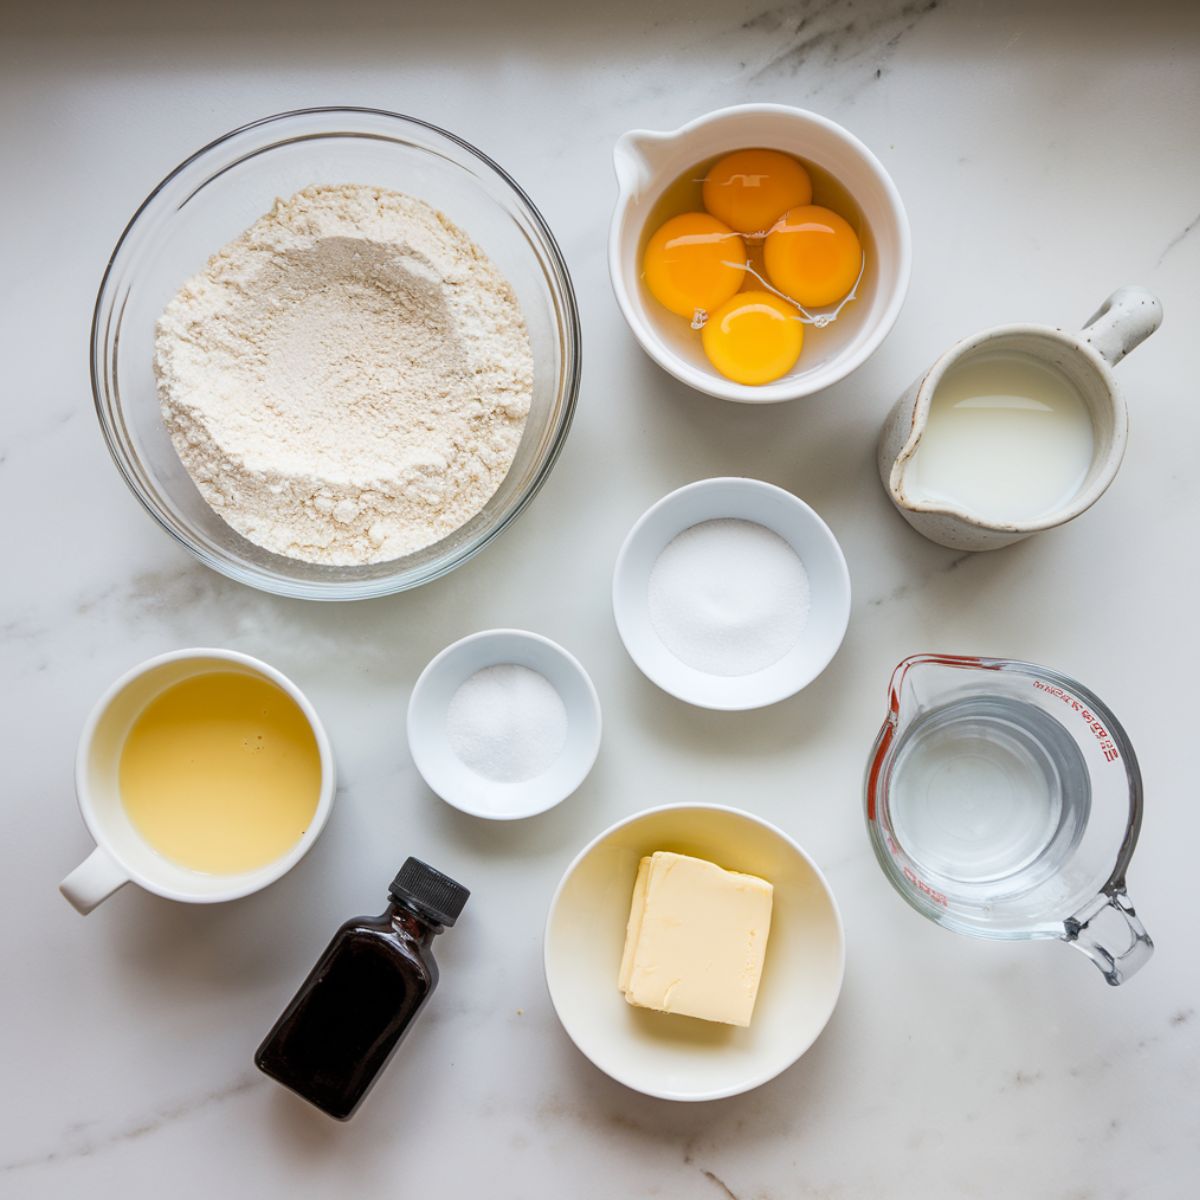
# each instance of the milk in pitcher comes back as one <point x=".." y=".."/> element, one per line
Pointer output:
<point x="1009" y="440"/>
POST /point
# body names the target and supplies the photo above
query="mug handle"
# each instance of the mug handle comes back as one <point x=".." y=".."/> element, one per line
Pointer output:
<point x="1122" y="323"/>
<point x="94" y="880"/>
<point x="1106" y="921"/>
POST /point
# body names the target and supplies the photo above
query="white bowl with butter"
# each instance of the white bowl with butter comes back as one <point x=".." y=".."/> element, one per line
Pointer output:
<point x="678" y="1057"/>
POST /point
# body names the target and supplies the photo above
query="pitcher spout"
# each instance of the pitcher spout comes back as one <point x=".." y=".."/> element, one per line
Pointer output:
<point x="902" y="434"/>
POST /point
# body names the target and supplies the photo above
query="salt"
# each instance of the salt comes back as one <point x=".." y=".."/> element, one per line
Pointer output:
<point x="729" y="597"/>
<point x="507" y="723"/>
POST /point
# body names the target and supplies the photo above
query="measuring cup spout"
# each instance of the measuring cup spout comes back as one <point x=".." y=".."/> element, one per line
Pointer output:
<point x="1102" y="926"/>
<point x="921" y="681"/>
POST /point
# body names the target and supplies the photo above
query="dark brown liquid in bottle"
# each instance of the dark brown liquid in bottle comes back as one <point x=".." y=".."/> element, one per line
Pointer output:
<point x="353" y="1010"/>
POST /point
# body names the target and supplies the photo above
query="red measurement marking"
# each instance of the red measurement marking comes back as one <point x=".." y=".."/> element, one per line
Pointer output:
<point x="923" y="887"/>
<point x="914" y="878"/>
<point x="1107" y="746"/>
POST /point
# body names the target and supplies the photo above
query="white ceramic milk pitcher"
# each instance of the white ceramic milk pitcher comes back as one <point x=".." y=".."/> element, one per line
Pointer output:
<point x="1124" y="321"/>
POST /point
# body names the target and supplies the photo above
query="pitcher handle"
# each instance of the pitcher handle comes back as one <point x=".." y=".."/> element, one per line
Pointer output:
<point x="1122" y="323"/>
<point x="1108" y="921"/>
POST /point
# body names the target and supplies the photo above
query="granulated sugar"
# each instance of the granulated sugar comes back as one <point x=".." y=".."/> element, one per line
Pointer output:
<point x="729" y="597"/>
<point x="507" y="723"/>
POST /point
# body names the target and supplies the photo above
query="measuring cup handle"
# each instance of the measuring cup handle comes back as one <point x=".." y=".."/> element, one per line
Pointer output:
<point x="1109" y="921"/>
<point x="1122" y="323"/>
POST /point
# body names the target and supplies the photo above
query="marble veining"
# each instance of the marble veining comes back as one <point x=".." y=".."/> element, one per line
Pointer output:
<point x="1179" y="238"/>
<point x="836" y="32"/>
<point x="82" y="1139"/>
<point x="1045" y="157"/>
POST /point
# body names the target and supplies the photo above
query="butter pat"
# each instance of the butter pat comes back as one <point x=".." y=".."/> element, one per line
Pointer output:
<point x="696" y="939"/>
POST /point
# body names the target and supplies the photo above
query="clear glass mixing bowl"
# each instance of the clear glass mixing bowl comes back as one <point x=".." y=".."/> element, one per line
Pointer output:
<point x="219" y="192"/>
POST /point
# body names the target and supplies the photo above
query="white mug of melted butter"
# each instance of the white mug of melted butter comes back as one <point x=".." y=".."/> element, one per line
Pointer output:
<point x="202" y="775"/>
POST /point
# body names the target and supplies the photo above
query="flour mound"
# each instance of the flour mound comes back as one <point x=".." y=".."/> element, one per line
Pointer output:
<point x="347" y="382"/>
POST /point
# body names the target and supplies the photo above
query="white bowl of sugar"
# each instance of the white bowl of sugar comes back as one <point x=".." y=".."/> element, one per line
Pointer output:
<point x="504" y="724"/>
<point x="731" y="594"/>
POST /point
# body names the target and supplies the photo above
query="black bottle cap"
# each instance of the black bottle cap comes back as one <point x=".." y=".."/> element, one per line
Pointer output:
<point x="432" y="893"/>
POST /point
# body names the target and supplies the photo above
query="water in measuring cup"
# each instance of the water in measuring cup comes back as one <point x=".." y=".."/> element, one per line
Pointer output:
<point x="988" y="794"/>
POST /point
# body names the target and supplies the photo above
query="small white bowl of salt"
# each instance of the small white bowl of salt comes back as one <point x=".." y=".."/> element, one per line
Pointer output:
<point x="504" y="724"/>
<point x="731" y="594"/>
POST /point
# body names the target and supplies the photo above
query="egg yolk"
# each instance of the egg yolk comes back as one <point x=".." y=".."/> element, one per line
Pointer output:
<point x="813" y="255"/>
<point x="751" y="189"/>
<point x="753" y="338"/>
<point x="694" y="263"/>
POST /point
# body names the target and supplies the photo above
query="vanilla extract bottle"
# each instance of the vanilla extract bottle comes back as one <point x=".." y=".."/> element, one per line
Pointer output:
<point x="360" y="1000"/>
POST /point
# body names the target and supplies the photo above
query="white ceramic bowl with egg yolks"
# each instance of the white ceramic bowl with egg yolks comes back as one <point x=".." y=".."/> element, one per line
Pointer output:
<point x="763" y="504"/>
<point x="682" y="1058"/>
<point x="647" y="163"/>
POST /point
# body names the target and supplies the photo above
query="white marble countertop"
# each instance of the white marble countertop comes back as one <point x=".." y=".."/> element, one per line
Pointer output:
<point x="1047" y="154"/>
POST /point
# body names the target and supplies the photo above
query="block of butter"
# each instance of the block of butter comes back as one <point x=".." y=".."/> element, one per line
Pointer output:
<point x="696" y="939"/>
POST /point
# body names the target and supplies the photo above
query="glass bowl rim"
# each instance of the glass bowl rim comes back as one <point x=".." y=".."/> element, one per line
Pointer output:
<point x="570" y="342"/>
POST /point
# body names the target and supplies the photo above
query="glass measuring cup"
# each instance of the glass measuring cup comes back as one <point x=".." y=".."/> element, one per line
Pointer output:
<point x="1004" y="801"/>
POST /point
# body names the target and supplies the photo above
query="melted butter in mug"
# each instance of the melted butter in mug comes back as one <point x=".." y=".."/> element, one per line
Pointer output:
<point x="1009" y="439"/>
<point x="221" y="773"/>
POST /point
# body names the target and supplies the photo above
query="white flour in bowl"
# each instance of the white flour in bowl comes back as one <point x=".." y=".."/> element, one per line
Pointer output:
<point x="346" y="382"/>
